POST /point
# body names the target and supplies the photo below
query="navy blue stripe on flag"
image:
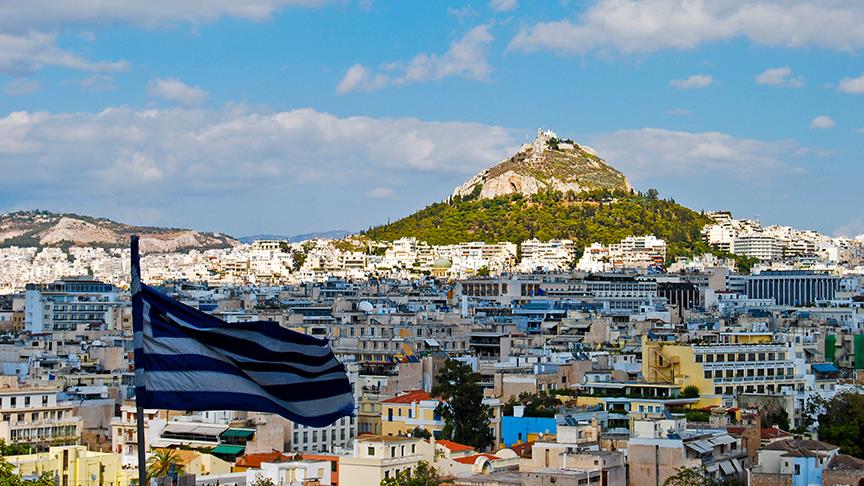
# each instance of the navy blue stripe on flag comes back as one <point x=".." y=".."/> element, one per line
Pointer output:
<point x="205" y="321"/>
<point x="163" y="326"/>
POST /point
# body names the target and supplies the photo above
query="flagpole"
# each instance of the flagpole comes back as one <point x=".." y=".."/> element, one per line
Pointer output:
<point x="138" y="328"/>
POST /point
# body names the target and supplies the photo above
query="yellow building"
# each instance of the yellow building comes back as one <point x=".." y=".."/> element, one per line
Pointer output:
<point x="401" y="414"/>
<point x="743" y="363"/>
<point x="75" y="466"/>
<point x="380" y="457"/>
<point x="200" y="464"/>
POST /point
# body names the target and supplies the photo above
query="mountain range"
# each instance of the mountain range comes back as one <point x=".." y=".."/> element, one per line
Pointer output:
<point x="44" y="228"/>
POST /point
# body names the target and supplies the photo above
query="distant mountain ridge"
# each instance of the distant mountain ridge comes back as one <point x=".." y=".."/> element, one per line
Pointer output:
<point x="324" y="235"/>
<point x="44" y="228"/>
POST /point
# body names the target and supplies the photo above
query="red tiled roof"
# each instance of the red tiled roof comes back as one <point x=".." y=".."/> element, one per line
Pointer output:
<point x="255" y="460"/>
<point x="454" y="446"/>
<point x="772" y="433"/>
<point x="472" y="459"/>
<point x="735" y="429"/>
<point x="522" y="450"/>
<point x="410" y="397"/>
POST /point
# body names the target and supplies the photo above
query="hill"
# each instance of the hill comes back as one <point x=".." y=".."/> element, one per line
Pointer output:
<point x="324" y="235"/>
<point x="547" y="164"/>
<point x="44" y="228"/>
<point x="597" y="216"/>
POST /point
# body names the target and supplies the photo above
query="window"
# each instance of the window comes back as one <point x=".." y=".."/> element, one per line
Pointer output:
<point x="698" y="358"/>
<point x="370" y="451"/>
<point x="797" y="469"/>
<point x="707" y="373"/>
<point x="393" y="451"/>
<point x="721" y="358"/>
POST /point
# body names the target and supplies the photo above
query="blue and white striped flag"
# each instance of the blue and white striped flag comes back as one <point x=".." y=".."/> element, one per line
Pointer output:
<point x="188" y="360"/>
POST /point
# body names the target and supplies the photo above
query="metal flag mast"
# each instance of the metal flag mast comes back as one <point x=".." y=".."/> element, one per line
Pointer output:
<point x="138" y="328"/>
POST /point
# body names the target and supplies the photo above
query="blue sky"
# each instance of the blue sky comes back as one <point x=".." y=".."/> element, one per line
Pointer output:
<point x="287" y="116"/>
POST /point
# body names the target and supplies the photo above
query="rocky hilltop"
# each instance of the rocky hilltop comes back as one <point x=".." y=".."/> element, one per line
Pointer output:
<point x="548" y="163"/>
<point x="43" y="228"/>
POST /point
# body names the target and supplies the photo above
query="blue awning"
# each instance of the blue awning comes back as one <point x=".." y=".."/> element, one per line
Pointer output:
<point x="825" y="368"/>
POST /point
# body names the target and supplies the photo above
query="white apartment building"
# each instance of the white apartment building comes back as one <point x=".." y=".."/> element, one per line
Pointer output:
<point x="33" y="416"/>
<point x="64" y="304"/>
<point x="548" y="256"/>
<point x="757" y="245"/>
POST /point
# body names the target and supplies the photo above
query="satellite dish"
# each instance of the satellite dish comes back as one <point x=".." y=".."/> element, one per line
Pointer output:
<point x="366" y="306"/>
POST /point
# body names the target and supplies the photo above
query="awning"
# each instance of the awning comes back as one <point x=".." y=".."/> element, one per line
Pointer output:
<point x="699" y="446"/>
<point x="727" y="468"/>
<point x="825" y="368"/>
<point x="432" y="342"/>
<point x="238" y="434"/>
<point x="193" y="429"/>
<point x="228" y="450"/>
<point x="723" y="440"/>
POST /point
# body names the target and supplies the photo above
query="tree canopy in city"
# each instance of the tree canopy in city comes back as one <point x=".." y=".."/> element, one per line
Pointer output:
<point x="842" y="423"/>
<point x="465" y="416"/>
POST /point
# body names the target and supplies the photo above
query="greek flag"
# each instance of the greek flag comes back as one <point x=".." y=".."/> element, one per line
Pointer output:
<point x="188" y="360"/>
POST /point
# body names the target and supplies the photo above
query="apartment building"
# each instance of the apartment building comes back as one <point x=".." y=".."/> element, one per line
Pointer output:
<point x="745" y="364"/>
<point x="34" y="416"/>
<point x="375" y="458"/>
<point x="66" y="304"/>
<point x="74" y="466"/>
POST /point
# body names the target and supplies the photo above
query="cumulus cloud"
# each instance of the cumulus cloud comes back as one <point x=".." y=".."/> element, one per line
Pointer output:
<point x="503" y="5"/>
<point x="780" y="77"/>
<point x="822" y="122"/>
<point x="128" y="159"/>
<point x="466" y="58"/>
<point x="30" y="52"/>
<point x="172" y="89"/>
<point x="658" y="153"/>
<point x="692" y="81"/>
<point x="629" y="26"/>
<point x="18" y="87"/>
<point x="852" y="85"/>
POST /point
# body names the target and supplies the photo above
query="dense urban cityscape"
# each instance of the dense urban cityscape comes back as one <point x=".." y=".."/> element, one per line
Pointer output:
<point x="461" y="243"/>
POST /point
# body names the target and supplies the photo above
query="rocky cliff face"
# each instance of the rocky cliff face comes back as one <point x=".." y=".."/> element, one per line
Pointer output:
<point x="42" y="228"/>
<point x="548" y="163"/>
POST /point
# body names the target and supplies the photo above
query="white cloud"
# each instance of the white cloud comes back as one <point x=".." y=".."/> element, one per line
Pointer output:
<point x="381" y="192"/>
<point x="503" y="5"/>
<point x="822" y="122"/>
<point x="51" y="14"/>
<point x="657" y="153"/>
<point x="97" y="83"/>
<point x="172" y="89"/>
<point x="30" y="52"/>
<point x="852" y="85"/>
<point x="645" y="26"/>
<point x="360" y="78"/>
<point x="780" y="77"/>
<point x="692" y="81"/>
<point x="462" y="13"/>
<point x="466" y="58"/>
<point x="18" y="87"/>
<point x="190" y="151"/>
